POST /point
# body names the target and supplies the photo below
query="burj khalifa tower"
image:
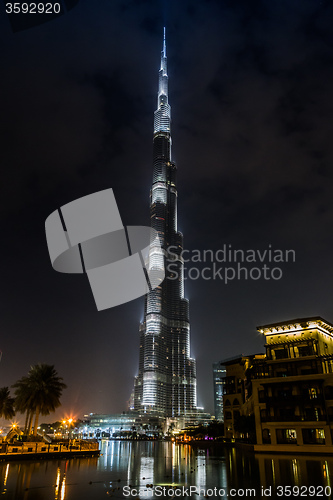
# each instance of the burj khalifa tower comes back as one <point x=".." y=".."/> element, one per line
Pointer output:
<point x="166" y="383"/>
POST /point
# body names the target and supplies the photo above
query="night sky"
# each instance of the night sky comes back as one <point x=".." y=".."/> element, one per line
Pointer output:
<point x="251" y="86"/>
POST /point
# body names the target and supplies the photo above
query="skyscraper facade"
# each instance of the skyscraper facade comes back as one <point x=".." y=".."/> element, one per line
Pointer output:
<point x="219" y="379"/>
<point x="166" y="383"/>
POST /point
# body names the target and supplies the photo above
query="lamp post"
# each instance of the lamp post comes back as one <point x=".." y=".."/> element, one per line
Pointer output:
<point x="68" y="423"/>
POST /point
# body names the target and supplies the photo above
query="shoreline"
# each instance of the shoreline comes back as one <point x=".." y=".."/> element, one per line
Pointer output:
<point x="48" y="456"/>
<point x="37" y="450"/>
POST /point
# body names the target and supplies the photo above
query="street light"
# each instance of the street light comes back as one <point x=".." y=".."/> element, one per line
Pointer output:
<point x="68" y="423"/>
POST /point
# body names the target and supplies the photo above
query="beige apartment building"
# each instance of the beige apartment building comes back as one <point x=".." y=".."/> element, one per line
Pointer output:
<point x="289" y="389"/>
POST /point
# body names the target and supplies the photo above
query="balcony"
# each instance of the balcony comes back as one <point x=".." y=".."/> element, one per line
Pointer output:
<point x="293" y="418"/>
<point x="292" y="399"/>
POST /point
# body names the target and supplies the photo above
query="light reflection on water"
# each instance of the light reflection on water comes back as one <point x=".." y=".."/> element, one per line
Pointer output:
<point x="144" y="463"/>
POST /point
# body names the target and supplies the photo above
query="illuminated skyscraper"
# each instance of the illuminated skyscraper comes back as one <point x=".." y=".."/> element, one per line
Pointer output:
<point x="166" y="383"/>
<point x="219" y="380"/>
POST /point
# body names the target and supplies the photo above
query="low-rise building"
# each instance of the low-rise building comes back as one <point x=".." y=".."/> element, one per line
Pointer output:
<point x="113" y="425"/>
<point x="237" y="399"/>
<point x="289" y="390"/>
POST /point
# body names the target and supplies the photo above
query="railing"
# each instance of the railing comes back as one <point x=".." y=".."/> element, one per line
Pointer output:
<point x="292" y="398"/>
<point x="293" y="418"/>
<point x="40" y="448"/>
<point x="293" y="370"/>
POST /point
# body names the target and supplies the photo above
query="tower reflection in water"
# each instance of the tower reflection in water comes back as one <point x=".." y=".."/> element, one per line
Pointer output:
<point x="143" y="463"/>
<point x="167" y="464"/>
<point x="152" y="463"/>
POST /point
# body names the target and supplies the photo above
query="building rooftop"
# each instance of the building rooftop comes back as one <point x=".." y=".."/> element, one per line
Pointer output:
<point x="294" y="325"/>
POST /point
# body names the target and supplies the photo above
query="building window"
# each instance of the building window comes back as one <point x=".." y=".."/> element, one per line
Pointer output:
<point x="263" y="415"/>
<point x="286" y="436"/>
<point x="312" y="414"/>
<point x="329" y="392"/>
<point x="313" y="436"/>
<point x="305" y="350"/>
<point x="313" y="393"/>
<point x="261" y="395"/>
<point x="284" y="393"/>
<point x="281" y="353"/>
<point x="286" y="415"/>
<point x="266" y="436"/>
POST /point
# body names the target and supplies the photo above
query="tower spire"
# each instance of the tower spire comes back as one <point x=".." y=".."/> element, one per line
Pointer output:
<point x="164" y="57"/>
<point x="162" y="117"/>
<point x="164" y="44"/>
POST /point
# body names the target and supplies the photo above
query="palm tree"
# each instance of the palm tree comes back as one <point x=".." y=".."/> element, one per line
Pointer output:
<point x="39" y="393"/>
<point x="6" y="404"/>
<point x="23" y="401"/>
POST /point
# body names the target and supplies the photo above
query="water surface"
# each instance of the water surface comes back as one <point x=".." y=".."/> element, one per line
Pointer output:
<point x="125" y="468"/>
